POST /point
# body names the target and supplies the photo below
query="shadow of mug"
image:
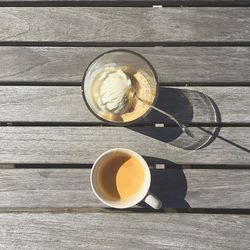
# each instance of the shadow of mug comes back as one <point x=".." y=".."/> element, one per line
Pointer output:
<point x="169" y="184"/>
<point x="187" y="106"/>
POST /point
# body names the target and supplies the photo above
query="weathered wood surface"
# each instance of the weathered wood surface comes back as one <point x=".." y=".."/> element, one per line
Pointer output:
<point x="125" y="24"/>
<point x="65" y="104"/>
<point x="85" y="144"/>
<point x="124" y="231"/>
<point x="177" y="188"/>
<point x="172" y="64"/>
<point x="61" y="190"/>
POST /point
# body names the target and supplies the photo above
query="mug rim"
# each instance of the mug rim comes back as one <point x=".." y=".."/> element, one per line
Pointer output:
<point x="143" y="192"/>
<point x="140" y="117"/>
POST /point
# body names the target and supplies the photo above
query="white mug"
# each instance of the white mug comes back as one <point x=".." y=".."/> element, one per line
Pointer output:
<point x="142" y="194"/>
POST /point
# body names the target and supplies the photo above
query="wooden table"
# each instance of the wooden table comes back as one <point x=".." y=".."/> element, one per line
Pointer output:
<point x="49" y="140"/>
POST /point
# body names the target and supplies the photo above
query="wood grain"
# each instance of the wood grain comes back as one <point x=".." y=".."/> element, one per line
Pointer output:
<point x="65" y="104"/>
<point x="137" y="231"/>
<point x="177" y="188"/>
<point x="85" y="144"/>
<point x="172" y="64"/>
<point x="134" y="24"/>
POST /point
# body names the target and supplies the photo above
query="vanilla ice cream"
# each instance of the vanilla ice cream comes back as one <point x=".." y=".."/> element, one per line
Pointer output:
<point x="114" y="91"/>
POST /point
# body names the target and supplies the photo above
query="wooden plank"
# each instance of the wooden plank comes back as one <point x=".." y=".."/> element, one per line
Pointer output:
<point x="65" y="104"/>
<point x="85" y="144"/>
<point x="177" y="188"/>
<point x="172" y="64"/>
<point x="133" y="231"/>
<point x="134" y="24"/>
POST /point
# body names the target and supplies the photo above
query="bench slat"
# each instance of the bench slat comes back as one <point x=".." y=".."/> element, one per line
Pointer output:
<point x="134" y="24"/>
<point x="65" y="104"/>
<point x="177" y="188"/>
<point x="85" y="144"/>
<point x="201" y="65"/>
<point x="98" y="230"/>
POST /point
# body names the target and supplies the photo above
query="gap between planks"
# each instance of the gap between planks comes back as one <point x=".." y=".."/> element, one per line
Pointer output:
<point x="115" y="3"/>
<point x="150" y="44"/>
<point x="152" y="165"/>
<point x="136" y="125"/>
<point x="135" y="210"/>
<point x="162" y="84"/>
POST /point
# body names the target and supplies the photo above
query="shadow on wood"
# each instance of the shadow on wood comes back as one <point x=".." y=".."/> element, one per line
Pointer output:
<point x="174" y="101"/>
<point x="169" y="184"/>
<point x="184" y="104"/>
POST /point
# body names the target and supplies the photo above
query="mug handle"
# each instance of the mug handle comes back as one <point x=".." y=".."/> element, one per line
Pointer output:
<point x="153" y="201"/>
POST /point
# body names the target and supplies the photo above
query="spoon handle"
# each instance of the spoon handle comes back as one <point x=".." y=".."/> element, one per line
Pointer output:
<point x="181" y="125"/>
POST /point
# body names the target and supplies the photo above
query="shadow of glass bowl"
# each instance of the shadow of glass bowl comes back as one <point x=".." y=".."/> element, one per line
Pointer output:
<point x="190" y="107"/>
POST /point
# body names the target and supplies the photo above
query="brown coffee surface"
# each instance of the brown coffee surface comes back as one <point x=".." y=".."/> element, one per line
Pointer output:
<point x="120" y="177"/>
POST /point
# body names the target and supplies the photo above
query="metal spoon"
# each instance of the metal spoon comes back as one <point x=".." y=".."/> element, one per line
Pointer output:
<point x="184" y="128"/>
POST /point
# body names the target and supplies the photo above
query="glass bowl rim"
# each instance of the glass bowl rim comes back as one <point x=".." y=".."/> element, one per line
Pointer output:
<point x="140" y="117"/>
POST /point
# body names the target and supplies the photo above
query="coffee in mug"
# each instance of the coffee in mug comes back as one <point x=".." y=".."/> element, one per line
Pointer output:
<point x="121" y="178"/>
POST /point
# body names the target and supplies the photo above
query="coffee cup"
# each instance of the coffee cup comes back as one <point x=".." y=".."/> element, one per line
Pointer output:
<point x="120" y="178"/>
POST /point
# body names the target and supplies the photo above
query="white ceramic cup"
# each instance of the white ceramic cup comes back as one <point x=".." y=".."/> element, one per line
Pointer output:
<point x="142" y="195"/>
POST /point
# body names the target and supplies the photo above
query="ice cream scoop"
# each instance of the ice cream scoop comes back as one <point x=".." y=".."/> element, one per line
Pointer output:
<point x="114" y="91"/>
<point x="115" y="71"/>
